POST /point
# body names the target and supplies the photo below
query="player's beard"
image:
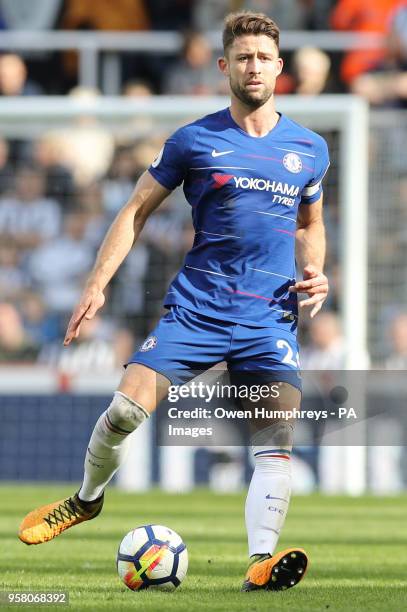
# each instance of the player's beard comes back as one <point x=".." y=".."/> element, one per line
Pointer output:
<point x="251" y="99"/>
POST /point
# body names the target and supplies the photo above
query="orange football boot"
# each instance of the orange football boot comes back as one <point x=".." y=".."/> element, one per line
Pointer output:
<point x="47" y="522"/>
<point x="278" y="572"/>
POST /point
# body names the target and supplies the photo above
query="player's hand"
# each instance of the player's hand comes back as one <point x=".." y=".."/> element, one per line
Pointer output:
<point x="92" y="299"/>
<point x="315" y="284"/>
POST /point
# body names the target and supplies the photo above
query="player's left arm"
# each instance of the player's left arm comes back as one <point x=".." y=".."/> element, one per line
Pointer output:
<point x="310" y="254"/>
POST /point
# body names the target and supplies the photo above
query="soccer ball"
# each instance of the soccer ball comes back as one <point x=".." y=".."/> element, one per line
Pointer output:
<point x="152" y="556"/>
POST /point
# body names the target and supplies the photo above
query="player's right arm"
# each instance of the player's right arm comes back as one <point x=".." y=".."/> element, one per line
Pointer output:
<point x="124" y="231"/>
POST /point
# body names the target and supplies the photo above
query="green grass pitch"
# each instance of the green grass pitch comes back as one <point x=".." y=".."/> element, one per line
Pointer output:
<point x="357" y="547"/>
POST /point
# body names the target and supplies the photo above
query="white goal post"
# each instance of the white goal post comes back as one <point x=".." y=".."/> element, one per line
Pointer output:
<point x="348" y="115"/>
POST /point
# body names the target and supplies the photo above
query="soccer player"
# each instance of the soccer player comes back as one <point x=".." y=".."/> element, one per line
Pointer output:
<point x="253" y="179"/>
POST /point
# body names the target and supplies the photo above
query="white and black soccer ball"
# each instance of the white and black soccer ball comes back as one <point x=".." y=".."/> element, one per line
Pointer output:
<point x="152" y="556"/>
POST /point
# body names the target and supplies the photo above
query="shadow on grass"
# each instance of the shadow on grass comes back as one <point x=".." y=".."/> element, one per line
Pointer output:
<point x="223" y="538"/>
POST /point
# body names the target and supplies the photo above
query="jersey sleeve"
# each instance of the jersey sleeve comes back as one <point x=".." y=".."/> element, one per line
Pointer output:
<point x="170" y="166"/>
<point x="313" y="190"/>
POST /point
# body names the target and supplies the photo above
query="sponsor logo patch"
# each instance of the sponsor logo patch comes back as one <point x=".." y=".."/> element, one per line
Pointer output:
<point x="282" y="193"/>
<point x="221" y="179"/>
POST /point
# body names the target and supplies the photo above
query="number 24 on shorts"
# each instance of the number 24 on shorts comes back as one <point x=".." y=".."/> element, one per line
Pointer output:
<point x="288" y="354"/>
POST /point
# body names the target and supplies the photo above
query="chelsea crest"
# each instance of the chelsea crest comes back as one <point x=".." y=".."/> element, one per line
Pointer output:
<point x="292" y="162"/>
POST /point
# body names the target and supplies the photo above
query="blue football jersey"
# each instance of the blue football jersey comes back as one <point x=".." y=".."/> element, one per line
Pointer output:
<point x="244" y="192"/>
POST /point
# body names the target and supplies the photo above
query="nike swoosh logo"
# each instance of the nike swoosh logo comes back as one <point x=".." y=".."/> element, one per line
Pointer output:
<point x="219" y="153"/>
<point x="272" y="497"/>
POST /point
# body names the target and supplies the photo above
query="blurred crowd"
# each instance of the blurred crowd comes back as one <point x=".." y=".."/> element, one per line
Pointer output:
<point x="59" y="193"/>
<point x="58" y="196"/>
<point x="378" y="73"/>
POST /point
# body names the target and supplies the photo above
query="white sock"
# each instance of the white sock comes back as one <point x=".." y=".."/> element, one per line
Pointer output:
<point x="108" y="444"/>
<point x="267" y="499"/>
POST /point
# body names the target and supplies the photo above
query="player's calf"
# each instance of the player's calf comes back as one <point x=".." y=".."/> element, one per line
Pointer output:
<point x="109" y="443"/>
<point x="270" y="487"/>
<point x="266" y="509"/>
<point x="103" y="457"/>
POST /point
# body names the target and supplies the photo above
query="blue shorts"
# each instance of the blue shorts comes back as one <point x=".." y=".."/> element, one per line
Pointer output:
<point x="186" y="343"/>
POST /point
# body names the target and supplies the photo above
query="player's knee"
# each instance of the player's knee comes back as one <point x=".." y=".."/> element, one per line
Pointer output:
<point x="275" y="437"/>
<point x="125" y="413"/>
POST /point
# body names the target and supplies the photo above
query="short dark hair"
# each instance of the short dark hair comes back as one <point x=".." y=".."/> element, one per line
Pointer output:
<point x="246" y="22"/>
